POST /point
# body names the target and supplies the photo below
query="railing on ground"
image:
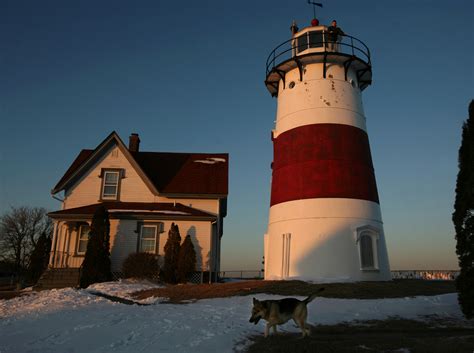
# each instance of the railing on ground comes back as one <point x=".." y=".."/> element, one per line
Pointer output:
<point x="60" y="260"/>
<point x="244" y="274"/>
<point x="443" y="275"/>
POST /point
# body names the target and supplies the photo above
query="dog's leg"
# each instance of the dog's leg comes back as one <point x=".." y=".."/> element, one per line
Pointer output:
<point x="274" y="329"/>
<point x="267" y="330"/>
<point x="303" y="325"/>
<point x="308" y="329"/>
<point x="305" y="328"/>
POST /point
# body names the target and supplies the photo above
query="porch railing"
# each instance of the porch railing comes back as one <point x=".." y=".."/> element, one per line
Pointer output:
<point x="61" y="259"/>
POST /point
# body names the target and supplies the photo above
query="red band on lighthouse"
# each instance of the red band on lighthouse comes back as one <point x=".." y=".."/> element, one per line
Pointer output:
<point x="323" y="161"/>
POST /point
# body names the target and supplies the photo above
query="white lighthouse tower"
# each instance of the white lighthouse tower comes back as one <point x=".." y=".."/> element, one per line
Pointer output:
<point x="325" y="222"/>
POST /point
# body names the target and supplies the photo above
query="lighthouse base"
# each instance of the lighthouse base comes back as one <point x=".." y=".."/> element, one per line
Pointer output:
<point x="326" y="240"/>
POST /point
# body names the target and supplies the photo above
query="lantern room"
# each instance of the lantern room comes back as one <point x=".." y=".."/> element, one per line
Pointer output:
<point x="314" y="45"/>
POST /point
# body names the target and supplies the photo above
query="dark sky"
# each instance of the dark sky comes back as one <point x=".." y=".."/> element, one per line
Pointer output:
<point x="188" y="76"/>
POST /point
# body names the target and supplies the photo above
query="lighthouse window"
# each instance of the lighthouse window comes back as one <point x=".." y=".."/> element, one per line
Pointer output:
<point x="367" y="241"/>
<point x="315" y="39"/>
<point x="366" y="251"/>
<point x="302" y="43"/>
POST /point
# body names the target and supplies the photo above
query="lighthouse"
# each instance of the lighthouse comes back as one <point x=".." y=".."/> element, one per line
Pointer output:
<point x="325" y="222"/>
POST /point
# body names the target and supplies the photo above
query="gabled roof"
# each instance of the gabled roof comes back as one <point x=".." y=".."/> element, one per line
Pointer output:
<point x="123" y="209"/>
<point x="164" y="173"/>
<point x="80" y="159"/>
<point x="186" y="173"/>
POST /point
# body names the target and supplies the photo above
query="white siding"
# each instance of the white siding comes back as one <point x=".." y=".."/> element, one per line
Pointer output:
<point x="124" y="239"/>
<point x="200" y="235"/>
<point x="87" y="190"/>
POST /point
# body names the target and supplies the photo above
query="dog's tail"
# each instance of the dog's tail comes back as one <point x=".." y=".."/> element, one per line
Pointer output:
<point x="313" y="296"/>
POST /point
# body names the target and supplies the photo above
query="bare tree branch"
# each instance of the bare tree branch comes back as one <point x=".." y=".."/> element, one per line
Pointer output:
<point x="20" y="229"/>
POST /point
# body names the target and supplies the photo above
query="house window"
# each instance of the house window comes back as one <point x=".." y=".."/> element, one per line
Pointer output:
<point x="83" y="239"/>
<point x="148" y="238"/>
<point x="367" y="241"/>
<point x="111" y="184"/>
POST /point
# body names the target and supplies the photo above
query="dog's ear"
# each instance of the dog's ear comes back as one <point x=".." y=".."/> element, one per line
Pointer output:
<point x="255" y="301"/>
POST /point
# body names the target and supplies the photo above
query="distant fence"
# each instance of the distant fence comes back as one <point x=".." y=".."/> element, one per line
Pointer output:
<point x="442" y="275"/>
<point x="446" y="275"/>
<point x="203" y="277"/>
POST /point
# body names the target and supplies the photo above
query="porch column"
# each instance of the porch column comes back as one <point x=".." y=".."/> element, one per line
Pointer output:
<point x="52" y="253"/>
<point x="72" y="227"/>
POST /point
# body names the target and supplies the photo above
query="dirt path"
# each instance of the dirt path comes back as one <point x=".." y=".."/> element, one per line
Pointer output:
<point x="359" y="290"/>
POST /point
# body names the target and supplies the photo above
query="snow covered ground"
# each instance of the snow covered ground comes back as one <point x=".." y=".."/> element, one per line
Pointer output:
<point x="70" y="320"/>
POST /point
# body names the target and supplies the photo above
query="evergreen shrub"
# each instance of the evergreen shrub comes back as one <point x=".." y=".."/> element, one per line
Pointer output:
<point x="96" y="266"/>
<point x="141" y="265"/>
<point x="186" y="260"/>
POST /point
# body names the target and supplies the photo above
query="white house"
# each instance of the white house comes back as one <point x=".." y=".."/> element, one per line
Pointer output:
<point x="144" y="193"/>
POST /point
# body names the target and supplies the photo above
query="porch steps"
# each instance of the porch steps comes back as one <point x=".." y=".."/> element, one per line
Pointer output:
<point x="58" y="278"/>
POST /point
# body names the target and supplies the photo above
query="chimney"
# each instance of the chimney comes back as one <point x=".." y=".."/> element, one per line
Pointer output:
<point x="134" y="143"/>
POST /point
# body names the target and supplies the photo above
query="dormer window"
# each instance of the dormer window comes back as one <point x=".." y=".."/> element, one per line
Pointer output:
<point x="110" y="189"/>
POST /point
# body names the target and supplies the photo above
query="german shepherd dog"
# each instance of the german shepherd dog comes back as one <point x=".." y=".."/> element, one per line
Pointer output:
<point x="278" y="312"/>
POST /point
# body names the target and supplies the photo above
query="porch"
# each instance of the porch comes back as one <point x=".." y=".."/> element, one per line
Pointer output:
<point x="69" y="244"/>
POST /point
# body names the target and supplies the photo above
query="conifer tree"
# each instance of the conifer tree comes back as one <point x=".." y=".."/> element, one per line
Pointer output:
<point x="463" y="217"/>
<point x="96" y="266"/>
<point x="39" y="258"/>
<point x="186" y="260"/>
<point x="171" y="254"/>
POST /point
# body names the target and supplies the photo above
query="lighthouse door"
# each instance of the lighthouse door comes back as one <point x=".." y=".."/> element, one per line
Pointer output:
<point x="285" y="258"/>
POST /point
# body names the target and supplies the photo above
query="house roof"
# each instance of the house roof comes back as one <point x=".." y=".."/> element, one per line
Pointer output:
<point x="80" y="159"/>
<point x="165" y="173"/>
<point x="123" y="209"/>
<point x="186" y="173"/>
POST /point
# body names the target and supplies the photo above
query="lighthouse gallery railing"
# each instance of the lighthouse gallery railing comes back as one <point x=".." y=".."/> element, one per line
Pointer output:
<point x="347" y="46"/>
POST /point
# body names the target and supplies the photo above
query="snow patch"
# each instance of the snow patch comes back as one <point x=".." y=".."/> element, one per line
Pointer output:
<point x="151" y="211"/>
<point x="124" y="287"/>
<point x="210" y="160"/>
<point x="75" y="320"/>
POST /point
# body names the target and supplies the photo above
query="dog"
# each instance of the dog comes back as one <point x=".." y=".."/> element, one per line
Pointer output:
<point x="278" y="312"/>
